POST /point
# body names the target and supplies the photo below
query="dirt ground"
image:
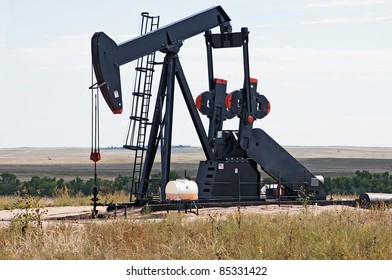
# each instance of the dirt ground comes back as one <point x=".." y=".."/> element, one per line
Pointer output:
<point x="82" y="214"/>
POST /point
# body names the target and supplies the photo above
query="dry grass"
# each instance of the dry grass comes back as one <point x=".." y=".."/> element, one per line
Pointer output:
<point x="8" y="202"/>
<point x="348" y="234"/>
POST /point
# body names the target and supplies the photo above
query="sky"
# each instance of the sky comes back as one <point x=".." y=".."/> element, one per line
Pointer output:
<point x="325" y="66"/>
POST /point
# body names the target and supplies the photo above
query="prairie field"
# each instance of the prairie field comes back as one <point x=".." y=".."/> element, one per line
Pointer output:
<point x="302" y="232"/>
<point x="69" y="163"/>
<point x="335" y="234"/>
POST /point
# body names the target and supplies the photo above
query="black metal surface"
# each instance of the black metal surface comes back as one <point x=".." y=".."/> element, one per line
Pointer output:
<point x="186" y="92"/>
<point x="166" y="140"/>
<point x="250" y="146"/>
<point x="165" y="36"/>
<point x="212" y="104"/>
<point x="247" y="88"/>
<point x="227" y="40"/>
<point x="210" y="61"/>
<point x="161" y="130"/>
<point x="107" y="71"/>
<point x="282" y="166"/>
<point x="233" y="178"/>
<point x="107" y="56"/>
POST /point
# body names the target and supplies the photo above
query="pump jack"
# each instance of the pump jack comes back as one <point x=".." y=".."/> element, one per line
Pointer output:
<point x="230" y="171"/>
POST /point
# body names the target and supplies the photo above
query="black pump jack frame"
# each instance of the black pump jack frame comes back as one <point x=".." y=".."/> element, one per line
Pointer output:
<point x="241" y="151"/>
<point x="161" y="130"/>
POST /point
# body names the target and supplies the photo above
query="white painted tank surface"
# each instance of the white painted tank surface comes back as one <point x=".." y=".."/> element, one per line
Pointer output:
<point x="367" y="199"/>
<point x="321" y="178"/>
<point x="182" y="189"/>
<point x="314" y="182"/>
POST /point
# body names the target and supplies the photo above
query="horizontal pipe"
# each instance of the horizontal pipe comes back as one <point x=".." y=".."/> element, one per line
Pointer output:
<point x="367" y="199"/>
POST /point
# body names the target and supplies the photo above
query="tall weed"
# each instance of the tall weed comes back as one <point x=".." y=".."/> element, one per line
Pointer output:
<point x="336" y="235"/>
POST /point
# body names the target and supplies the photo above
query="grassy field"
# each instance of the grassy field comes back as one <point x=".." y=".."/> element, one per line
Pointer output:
<point x="69" y="163"/>
<point x="353" y="234"/>
<point x="338" y="235"/>
<point x="10" y="202"/>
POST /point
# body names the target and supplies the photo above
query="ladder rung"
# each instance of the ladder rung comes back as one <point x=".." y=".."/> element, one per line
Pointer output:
<point x="133" y="148"/>
<point x="144" y="69"/>
<point x="141" y="94"/>
<point x="136" y="118"/>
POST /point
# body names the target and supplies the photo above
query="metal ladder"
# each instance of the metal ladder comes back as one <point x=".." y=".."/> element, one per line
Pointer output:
<point x="139" y="121"/>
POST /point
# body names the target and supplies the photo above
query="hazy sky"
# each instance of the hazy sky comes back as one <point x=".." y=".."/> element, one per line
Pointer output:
<point x="325" y="66"/>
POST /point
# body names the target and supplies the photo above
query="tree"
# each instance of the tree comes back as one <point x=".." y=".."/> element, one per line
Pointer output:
<point x="41" y="186"/>
<point x="122" y="183"/>
<point x="9" y="184"/>
<point x="362" y="181"/>
<point x="76" y="186"/>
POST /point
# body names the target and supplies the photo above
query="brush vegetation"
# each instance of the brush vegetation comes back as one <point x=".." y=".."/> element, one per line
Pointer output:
<point x="53" y="187"/>
<point x="338" y="235"/>
<point x="361" y="181"/>
<point x="11" y="202"/>
<point x="349" y="234"/>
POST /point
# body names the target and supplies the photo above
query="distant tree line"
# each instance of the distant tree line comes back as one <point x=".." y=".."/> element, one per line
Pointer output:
<point x="52" y="187"/>
<point x="362" y="181"/>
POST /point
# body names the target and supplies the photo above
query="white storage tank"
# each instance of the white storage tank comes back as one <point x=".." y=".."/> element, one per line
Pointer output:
<point x="314" y="182"/>
<point x="182" y="189"/>
<point x="321" y="178"/>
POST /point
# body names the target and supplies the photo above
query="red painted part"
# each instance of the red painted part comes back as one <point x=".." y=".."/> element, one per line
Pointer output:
<point x="249" y="119"/>
<point x="268" y="107"/>
<point x="220" y="81"/>
<point x="228" y="99"/>
<point x="253" y="80"/>
<point x="118" y="111"/>
<point x="95" y="156"/>
<point x="198" y="102"/>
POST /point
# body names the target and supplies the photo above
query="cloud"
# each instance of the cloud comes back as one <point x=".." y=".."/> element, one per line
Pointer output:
<point x="294" y="67"/>
<point x="326" y="64"/>
<point x="334" y="20"/>
<point x="60" y="53"/>
<point x="294" y="84"/>
<point x="2" y="44"/>
<point x="287" y="62"/>
<point x="331" y="4"/>
<point x="349" y="3"/>
<point x="57" y="53"/>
